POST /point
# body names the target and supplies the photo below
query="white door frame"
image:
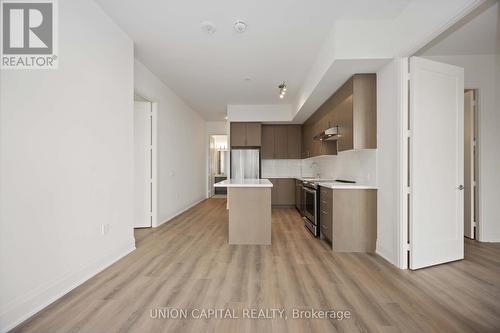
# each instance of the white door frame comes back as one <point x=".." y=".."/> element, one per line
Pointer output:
<point x="154" y="159"/>
<point x="154" y="164"/>
<point x="208" y="191"/>
<point x="402" y="78"/>
<point x="470" y="165"/>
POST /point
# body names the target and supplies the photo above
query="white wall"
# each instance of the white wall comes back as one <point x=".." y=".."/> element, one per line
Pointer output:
<point x="181" y="142"/>
<point x="481" y="72"/>
<point x="401" y="34"/>
<point x="362" y="38"/>
<point x="66" y="164"/>
<point x="260" y="112"/>
<point x="216" y="127"/>
<point x="388" y="162"/>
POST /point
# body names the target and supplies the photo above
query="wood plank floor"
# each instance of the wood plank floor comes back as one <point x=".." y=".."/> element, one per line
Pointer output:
<point x="188" y="264"/>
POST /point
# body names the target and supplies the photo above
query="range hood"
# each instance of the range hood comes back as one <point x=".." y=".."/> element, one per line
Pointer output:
<point x="330" y="134"/>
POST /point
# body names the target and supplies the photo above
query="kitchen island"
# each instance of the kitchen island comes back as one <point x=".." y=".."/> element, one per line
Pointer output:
<point x="249" y="204"/>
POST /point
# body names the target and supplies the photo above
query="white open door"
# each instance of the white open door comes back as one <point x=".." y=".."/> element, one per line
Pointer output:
<point x="142" y="164"/>
<point x="436" y="165"/>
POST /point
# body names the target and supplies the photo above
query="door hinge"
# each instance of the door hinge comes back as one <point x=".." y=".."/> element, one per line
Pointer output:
<point x="409" y="133"/>
<point x="407" y="247"/>
<point x="408" y="190"/>
<point x="475" y="224"/>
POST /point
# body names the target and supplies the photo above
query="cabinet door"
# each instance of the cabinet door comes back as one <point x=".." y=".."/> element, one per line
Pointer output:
<point x="298" y="191"/>
<point x="345" y="124"/>
<point x="238" y="134"/>
<point x="254" y="134"/>
<point x="267" y="142"/>
<point x="294" y="141"/>
<point x="325" y="221"/>
<point x="280" y="190"/>
<point x="274" y="191"/>
<point x="326" y="213"/>
<point x="280" y="142"/>
<point x="285" y="192"/>
<point x="365" y="111"/>
<point x="305" y="141"/>
<point x="291" y="191"/>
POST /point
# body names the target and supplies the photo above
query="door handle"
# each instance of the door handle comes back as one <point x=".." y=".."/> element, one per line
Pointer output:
<point x="460" y="187"/>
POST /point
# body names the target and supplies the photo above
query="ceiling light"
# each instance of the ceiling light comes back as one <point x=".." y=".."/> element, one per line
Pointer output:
<point x="282" y="87"/>
<point x="208" y="27"/>
<point x="225" y="117"/>
<point x="240" y="26"/>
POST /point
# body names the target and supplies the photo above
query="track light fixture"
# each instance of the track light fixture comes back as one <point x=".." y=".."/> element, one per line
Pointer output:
<point x="282" y="87"/>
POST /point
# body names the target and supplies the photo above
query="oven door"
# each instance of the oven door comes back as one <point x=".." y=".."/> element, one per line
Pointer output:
<point x="310" y="204"/>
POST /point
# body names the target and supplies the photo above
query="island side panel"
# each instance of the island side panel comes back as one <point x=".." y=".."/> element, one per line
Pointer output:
<point x="249" y="215"/>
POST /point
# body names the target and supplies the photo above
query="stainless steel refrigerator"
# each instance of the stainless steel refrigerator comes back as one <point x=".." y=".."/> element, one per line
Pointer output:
<point x="245" y="163"/>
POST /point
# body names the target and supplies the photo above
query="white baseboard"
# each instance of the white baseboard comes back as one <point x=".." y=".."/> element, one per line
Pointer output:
<point x="386" y="254"/>
<point x="27" y="305"/>
<point x="168" y="219"/>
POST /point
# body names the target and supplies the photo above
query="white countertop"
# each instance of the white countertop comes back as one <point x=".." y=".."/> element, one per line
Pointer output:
<point x="347" y="186"/>
<point x="330" y="183"/>
<point x="244" y="183"/>
<point x="312" y="179"/>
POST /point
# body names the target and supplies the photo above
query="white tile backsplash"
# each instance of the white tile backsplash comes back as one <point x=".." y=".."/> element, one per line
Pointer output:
<point x="358" y="165"/>
<point x="281" y="168"/>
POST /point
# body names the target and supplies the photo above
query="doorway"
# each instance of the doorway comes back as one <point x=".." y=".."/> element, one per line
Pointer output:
<point x="145" y="188"/>
<point x="218" y="163"/>
<point x="471" y="193"/>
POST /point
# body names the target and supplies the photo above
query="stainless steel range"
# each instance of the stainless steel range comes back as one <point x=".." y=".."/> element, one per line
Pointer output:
<point x="310" y="200"/>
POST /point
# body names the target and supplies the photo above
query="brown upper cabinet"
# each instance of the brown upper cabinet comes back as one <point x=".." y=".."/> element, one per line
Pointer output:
<point x="353" y="108"/>
<point x="294" y="136"/>
<point x="281" y="141"/>
<point x="246" y="134"/>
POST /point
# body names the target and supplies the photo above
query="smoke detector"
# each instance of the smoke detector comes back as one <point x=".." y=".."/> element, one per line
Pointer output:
<point x="240" y="26"/>
<point x="208" y="27"/>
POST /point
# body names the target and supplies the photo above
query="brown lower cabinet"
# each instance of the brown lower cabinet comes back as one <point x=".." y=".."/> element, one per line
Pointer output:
<point x="283" y="191"/>
<point x="348" y="219"/>
<point x="298" y="194"/>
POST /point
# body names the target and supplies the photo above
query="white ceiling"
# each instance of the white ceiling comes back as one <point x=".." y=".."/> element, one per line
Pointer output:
<point x="209" y="71"/>
<point x="478" y="33"/>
